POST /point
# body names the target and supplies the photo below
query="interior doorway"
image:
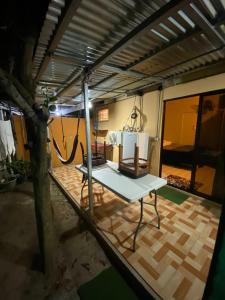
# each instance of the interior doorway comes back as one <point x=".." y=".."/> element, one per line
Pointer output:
<point x="192" y="152"/>
<point x="180" y="121"/>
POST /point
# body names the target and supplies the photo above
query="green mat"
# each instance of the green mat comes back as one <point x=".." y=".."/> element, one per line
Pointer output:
<point x="172" y="195"/>
<point x="108" y="285"/>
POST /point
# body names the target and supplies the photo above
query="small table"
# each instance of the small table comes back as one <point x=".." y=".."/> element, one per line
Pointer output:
<point x="129" y="189"/>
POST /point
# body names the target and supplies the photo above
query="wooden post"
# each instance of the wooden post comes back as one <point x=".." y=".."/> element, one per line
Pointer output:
<point x="104" y="149"/>
<point x="136" y="159"/>
<point x="96" y="150"/>
<point x="43" y="205"/>
<point x="120" y="153"/>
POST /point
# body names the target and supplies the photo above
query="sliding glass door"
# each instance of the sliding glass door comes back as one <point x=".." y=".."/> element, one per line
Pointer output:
<point x="180" y="120"/>
<point x="208" y="171"/>
<point x="193" y="144"/>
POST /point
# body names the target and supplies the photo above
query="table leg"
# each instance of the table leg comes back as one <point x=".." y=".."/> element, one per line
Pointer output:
<point x="83" y="178"/>
<point x="138" y="226"/>
<point x="84" y="183"/>
<point x="155" y="206"/>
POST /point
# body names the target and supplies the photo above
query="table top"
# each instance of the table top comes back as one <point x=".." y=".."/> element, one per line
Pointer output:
<point x="129" y="189"/>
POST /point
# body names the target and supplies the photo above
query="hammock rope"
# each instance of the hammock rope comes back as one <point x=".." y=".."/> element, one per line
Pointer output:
<point x="74" y="149"/>
<point x="63" y="134"/>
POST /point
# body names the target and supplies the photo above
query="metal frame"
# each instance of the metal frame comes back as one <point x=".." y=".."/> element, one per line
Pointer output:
<point x="67" y="14"/>
<point x="200" y="19"/>
<point x="114" y="256"/>
<point x="88" y="142"/>
<point x="198" y="12"/>
<point x="204" y="21"/>
<point x="154" y="19"/>
<point x="84" y="181"/>
<point x="201" y="96"/>
<point x="141" y="201"/>
<point x="141" y="216"/>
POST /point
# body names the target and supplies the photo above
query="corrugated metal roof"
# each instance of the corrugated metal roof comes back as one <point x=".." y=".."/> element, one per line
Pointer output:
<point x="183" y="37"/>
<point x="51" y="20"/>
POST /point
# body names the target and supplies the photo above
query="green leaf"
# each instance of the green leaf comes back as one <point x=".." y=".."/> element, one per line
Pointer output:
<point x="52" y="99"/>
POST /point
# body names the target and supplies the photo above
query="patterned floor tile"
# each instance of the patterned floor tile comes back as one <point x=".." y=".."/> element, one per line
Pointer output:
<point x="174" y="260"/>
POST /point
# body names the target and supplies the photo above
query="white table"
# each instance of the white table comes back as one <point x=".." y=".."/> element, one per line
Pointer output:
<point x="129" y="189"/>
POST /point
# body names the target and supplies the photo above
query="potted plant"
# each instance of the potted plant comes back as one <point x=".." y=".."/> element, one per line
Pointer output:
<point x="7" y="180"/>
<point x="21" y="169"/>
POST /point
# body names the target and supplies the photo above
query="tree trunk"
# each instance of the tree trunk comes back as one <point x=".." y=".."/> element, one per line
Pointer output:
<point x="43" y="207"/>
<point x="37" y="136"/>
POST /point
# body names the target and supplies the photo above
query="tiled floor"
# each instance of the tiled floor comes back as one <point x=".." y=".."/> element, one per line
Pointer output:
<point x="174" y="260"/>
<point x="170" y="170"/>
<point x="204" y="175"/>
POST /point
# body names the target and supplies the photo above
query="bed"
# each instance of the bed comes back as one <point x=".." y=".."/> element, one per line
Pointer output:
<point x="177" y="155"/>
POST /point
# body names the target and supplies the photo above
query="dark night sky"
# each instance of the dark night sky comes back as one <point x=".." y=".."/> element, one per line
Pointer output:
<point x="18" y="19"/>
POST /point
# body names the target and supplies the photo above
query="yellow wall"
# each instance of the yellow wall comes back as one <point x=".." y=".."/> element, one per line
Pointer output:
<point x="207" y="84"/>
<point x="119" y="111"/>
<point x="70" y="128"/>
<point x="180" y="120"/>
<point x="21" y="137"/>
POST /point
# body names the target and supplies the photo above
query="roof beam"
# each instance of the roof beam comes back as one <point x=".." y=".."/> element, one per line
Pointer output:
<point x="117" y="70"/>
<point x="73" y="108"/>
<point x="162" y="73"/>
<point x="145" y="26"/>
<point x="111" y="68"/>
<point x="66" y="16"/>
<point x="214" y="36"/>
<point x="166" y="11"/>
<point x="219" y="8"/>
<point x="202" y="72"/>
<point x="174" y="42"/>
<point x="145" y="89"/>
<point x="149" y="78"/>
<point x="52" y="83"/>
<point x="103" y="80"/>
<point x="164" y="48"/>
<point x="66" y="59"/>
<point x="149" y="56"/>
<point x="158" y="77"/>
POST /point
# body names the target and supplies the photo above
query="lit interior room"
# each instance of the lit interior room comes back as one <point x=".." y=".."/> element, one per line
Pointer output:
<point x="128" y="126"/>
